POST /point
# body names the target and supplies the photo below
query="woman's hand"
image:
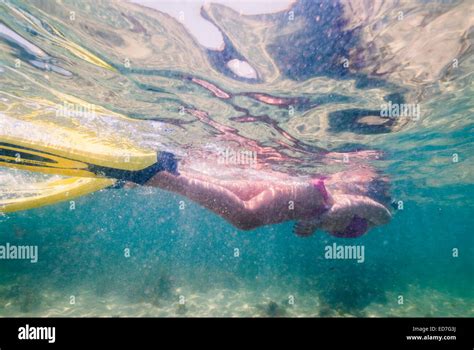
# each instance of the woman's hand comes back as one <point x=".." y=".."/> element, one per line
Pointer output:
<point x="353" y="215"/>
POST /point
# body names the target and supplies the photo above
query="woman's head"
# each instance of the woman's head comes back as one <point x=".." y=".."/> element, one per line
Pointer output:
<point x="356" y="227"/>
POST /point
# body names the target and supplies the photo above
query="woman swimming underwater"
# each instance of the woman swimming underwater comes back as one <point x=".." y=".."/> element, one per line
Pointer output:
<point x="345" y="204"/>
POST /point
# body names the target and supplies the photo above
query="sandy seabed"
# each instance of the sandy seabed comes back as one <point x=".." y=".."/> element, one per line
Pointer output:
<point x="270" y="302"/>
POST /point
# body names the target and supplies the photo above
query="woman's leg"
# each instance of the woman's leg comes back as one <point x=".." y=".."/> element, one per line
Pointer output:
<point x="276" y="203"/>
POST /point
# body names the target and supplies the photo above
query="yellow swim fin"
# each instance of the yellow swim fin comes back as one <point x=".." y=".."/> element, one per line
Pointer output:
<point x="54" y="162"/>
<point x="48" y="192"/>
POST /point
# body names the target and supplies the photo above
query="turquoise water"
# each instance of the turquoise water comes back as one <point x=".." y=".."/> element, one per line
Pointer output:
<point x="172" y="256"/>
<point x="146" y="252"/>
